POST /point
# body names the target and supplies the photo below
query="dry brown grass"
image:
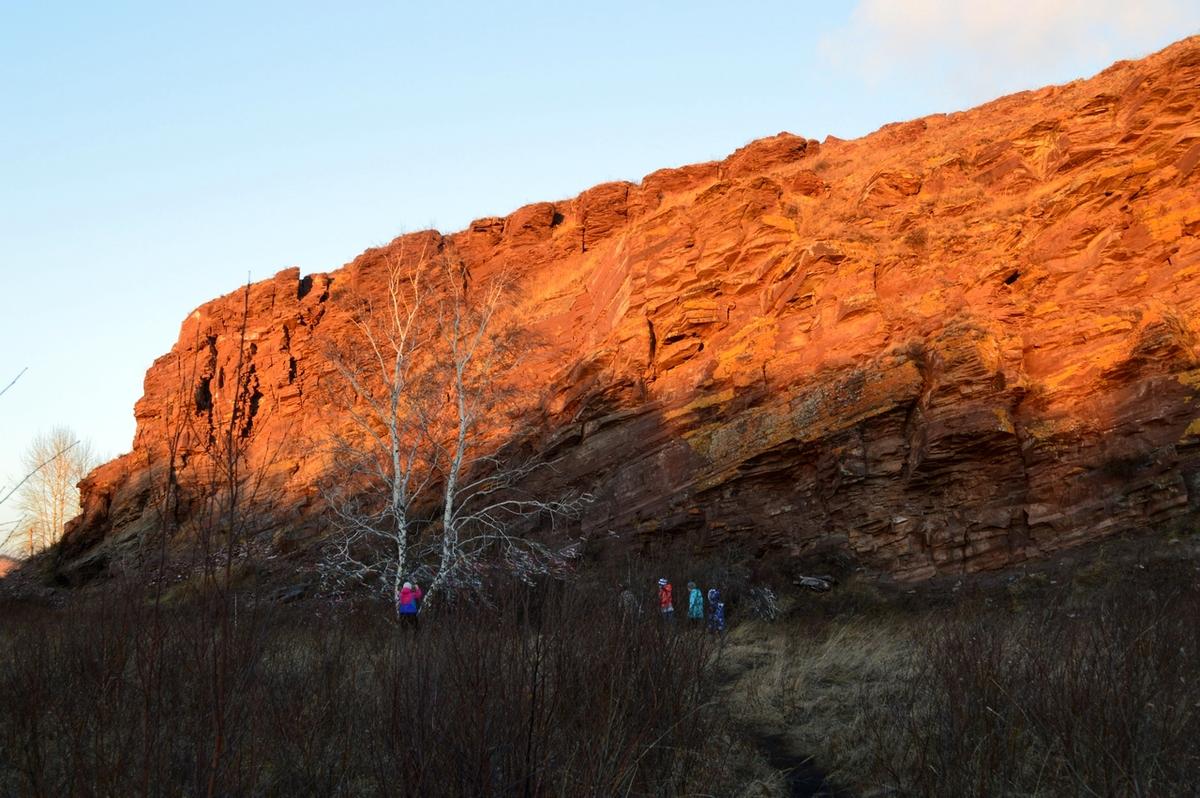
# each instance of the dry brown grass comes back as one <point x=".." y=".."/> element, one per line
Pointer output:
<point x="554" y="692"/>
<point x="809" y="683"/>
<point x="1075" y="683"/>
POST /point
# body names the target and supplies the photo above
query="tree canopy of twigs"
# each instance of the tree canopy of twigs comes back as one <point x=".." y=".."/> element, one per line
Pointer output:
<point x="7" y="528"/>
<point x="48" y="497"/>
<point x="422" y="481"/>
<point x="48" y="494"/>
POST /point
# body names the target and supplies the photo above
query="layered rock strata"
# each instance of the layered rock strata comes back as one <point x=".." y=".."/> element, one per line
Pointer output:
<point x="954" y="344"/>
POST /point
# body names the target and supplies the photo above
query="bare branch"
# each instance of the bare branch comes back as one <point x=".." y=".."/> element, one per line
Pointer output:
<point x="417" y="432"/>
<point x="35" y="470"/>
<point x="13" y="381"/>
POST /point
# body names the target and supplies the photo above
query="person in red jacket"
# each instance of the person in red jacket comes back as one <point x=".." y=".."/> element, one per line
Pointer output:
<point x="666" y="602"/>
<point x="408" y="604"/>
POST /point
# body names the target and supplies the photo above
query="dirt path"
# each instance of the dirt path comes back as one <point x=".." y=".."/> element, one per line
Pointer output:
<point x="801" y="775"/>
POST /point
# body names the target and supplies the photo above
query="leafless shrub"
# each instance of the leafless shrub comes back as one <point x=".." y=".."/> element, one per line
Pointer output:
<point x="917" y="238"/>
<point x="552" y="693"/>
<point x="1091" y="700"/>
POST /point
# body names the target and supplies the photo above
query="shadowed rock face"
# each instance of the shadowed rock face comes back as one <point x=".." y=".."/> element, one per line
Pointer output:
<point x="955" y="344"/>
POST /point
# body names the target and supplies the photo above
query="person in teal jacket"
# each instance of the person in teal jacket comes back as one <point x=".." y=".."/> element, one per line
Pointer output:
<point x="695" y="603"/>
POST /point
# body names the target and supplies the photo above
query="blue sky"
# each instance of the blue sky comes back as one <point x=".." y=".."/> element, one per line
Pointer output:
<point x="152" y="155"/>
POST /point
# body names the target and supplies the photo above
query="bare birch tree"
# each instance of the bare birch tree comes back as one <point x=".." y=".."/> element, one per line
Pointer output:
<point x="486" y="504"/>
<point x="383" y="464"/>
<point x="56" y="461"/>
<point x="421" y="486"/>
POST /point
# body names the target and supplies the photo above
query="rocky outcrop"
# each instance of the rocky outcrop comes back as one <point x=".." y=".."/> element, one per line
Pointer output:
<point x="951" y="345"/>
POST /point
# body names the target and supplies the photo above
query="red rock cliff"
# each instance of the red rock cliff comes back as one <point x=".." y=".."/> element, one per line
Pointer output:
<point x="954" y="344"/>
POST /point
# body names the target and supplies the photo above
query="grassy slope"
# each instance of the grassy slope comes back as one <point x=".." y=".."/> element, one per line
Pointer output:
<point x="865" y="679"/>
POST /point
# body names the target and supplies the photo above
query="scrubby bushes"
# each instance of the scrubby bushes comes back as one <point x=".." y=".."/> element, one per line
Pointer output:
<point x="555" y="693"/>
<point x="1056" y="683"/>
<point x="1095" y="698"/>
<point x="1038" y="687"/>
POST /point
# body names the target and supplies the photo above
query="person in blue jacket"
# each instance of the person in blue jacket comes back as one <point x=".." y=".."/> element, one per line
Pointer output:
<point x="716" y="611"/>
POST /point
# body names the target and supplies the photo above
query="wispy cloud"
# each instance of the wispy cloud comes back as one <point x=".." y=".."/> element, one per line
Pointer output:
<point x="986" y="45"/>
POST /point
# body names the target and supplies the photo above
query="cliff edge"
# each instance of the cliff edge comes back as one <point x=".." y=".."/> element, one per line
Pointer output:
<point x="955" y="344"/>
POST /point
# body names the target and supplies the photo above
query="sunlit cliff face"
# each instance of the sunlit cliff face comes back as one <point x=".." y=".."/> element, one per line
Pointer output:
<point x="957" y="343"/>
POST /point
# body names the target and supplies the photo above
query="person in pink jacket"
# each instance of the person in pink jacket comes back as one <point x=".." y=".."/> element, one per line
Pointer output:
<point x="408" y="603"/>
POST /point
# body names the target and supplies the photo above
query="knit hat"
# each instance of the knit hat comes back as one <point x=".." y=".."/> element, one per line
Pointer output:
<point x="662" y="582"/>
<point x="408" y="585"/>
